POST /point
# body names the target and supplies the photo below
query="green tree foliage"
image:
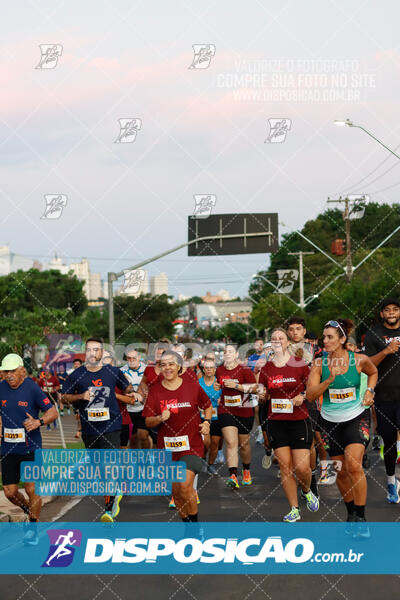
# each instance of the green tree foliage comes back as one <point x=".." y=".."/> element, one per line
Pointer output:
<point x="25" y="290"/>
<point x="359" y="300"/>
<point x="144" y="319"/>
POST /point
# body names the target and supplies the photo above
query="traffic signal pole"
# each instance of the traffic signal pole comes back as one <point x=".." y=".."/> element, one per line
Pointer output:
<point x="346" y="218"/>
<point x="115" y="276"/>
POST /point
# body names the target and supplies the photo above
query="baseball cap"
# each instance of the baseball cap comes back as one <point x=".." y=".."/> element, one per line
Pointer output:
<point x="390" y="300"/>
<point x="11" y="362"/>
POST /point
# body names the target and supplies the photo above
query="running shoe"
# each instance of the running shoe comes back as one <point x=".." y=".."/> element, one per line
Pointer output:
<point x="393" y="492"/>
<point x="266" y="461"/>
<point x="220" y="458"/>
<point x="361" y="529"/>
<point x="246" y="477"/>
<point x="375" y="442"/>
<point x="349" y="528"/>
<point x="260" y="438"/>
<point x="197" y="498"/>
<point x="312" y="501"/>
<point x="398" y="457"/>
<point x="232" y="482"/>
<point x="31" y="538"/>
<point x="292" y="516"/>
<point x="107" y="517"/>
<point x="381" y="450"/>
<point x="212" y="470"/>
<point x="172" y="503"/>
<point x="115" y="506"/>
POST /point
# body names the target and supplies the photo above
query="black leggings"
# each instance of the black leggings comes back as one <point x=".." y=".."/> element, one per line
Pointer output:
<point x="388" y="421"/>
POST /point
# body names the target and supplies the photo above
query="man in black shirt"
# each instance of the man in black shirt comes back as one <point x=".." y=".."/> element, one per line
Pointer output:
<point x="382" y="344"/>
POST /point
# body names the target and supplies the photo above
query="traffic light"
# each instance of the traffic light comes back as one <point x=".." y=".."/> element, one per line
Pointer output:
<point x="338" y="247"/>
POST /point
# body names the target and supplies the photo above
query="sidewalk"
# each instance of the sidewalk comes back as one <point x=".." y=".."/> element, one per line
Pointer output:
<point x="10" y="512"/>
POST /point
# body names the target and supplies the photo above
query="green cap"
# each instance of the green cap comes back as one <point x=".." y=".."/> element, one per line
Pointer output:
<point x="11" y="362"/>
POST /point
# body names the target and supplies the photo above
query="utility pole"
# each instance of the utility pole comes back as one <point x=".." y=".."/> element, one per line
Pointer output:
<point x="301" y="277"/>
<point x="346" y="218"/>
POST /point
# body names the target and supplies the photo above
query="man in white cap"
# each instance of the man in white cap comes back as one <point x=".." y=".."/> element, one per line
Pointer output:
<point x="21" y="401"/>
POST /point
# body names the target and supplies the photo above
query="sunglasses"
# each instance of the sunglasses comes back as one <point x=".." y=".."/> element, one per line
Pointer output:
<point x="336" y="325"/>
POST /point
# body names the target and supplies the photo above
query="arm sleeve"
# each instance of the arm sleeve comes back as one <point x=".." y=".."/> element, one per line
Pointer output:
<point x="122" y="381"/>
<point x="41" y="400"/>
<point x="370" y="346"/>
<point x="202" y="398"/>
<point x="69" y="385"/>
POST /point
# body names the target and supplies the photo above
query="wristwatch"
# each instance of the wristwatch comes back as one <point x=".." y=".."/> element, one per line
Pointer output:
<point x="41" y="422"/>
<point x="207" y="421"/>
<point x="372" y="390"/>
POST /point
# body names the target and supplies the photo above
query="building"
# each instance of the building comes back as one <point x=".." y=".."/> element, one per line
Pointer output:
<point x="221" y="296"/>
<point x="217" y="315"/>
<point x="92" y="287"/>
<point x="159" y="284"/>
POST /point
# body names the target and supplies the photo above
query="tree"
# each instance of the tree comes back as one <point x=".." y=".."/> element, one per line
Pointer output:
<point x="26" y="290"/>
<point x="144" y="319"/>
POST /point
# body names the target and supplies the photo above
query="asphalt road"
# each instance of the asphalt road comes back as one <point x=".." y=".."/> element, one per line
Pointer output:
<point x="263" y="501"/>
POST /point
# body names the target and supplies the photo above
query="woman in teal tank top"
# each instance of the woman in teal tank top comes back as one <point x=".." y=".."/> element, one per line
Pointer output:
<point x="344" y="420"/>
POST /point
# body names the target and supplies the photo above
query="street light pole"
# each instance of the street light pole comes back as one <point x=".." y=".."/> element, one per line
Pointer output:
<point x="300" y="254"/>
<point x="346" y="218"/>
<point x="348" y="123"/>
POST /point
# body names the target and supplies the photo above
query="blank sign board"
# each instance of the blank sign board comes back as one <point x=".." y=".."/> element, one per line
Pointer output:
<point x="265" y="225"/>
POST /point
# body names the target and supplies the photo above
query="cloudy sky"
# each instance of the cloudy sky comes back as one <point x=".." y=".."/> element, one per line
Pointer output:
<point x="203" y="130"/>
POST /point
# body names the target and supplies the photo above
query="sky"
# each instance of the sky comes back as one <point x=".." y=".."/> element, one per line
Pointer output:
<point x="202" y="130"/>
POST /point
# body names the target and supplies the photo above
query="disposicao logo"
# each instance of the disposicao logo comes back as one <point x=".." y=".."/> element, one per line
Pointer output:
<point x="62" y="547"/>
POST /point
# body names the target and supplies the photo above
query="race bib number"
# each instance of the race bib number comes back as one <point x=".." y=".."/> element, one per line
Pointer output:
<point x="177" y="444"/>
<point x="14" y="436"/>
<point x="281" y="405"/>
<point x="99" y="414"/>
<point x="233" y="400"/>
<point x="341" y="396"/>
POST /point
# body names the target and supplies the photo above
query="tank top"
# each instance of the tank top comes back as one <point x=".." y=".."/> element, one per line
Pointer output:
<point x="342" y="400"/>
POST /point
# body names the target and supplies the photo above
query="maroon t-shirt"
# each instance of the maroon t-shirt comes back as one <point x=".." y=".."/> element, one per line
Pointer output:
<point x="232" y="400"/>
<point x="283" y="384"/>
<point x="151" y="375"/>
<point x="181" y="432"/>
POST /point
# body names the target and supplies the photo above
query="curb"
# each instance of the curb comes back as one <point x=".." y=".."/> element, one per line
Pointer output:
<point x="16" y="515"/>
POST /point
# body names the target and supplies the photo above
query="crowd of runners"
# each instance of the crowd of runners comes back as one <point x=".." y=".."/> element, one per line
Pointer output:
<point x="312" y="404"/>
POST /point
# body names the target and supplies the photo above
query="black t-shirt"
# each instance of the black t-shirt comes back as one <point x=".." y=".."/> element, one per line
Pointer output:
<point x="376" y="339"/>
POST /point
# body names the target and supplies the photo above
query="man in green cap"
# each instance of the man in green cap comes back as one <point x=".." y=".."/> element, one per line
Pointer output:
<point x="21" y="401"/>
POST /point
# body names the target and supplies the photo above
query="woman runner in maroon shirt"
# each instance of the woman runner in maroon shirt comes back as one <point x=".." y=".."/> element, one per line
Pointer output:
<point x="174" y="403"/>
<point x="288" y="426"/>
<point x="235" y="413"/>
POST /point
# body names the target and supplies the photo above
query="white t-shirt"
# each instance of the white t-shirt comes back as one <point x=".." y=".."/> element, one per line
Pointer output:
<point x="135" y="377"/>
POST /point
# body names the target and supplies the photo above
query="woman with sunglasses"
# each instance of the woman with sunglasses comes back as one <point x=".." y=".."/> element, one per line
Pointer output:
<point x="174" y="404"/>
<point x="345" y="415"/>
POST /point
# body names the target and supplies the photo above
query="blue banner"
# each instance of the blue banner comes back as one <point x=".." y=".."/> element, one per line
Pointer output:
<point x="111" y="472"/>
<point x="198" y="548"/>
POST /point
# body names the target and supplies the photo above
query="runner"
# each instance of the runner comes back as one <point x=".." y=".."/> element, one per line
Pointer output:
<point x="236" y="416"/>
<point x="92" y="387"/>
<point x="345" y="415"/>
<point x="21" y="402"/>
<point x="173" y="404"/>
<point x="123" y="402"/>
<point x="382" y="344"/>
<point x="301" y="348"/>
<point x="134" y="371"/>
<point x="51" y="386"/>
<point x="62" y="376"/>
<point x="255" y="362"/>
<point x="289" y="428"/>
<point x="207" y="383"/>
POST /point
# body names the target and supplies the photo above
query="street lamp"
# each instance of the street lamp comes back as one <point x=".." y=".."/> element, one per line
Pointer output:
<point x="348" y="123"/>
